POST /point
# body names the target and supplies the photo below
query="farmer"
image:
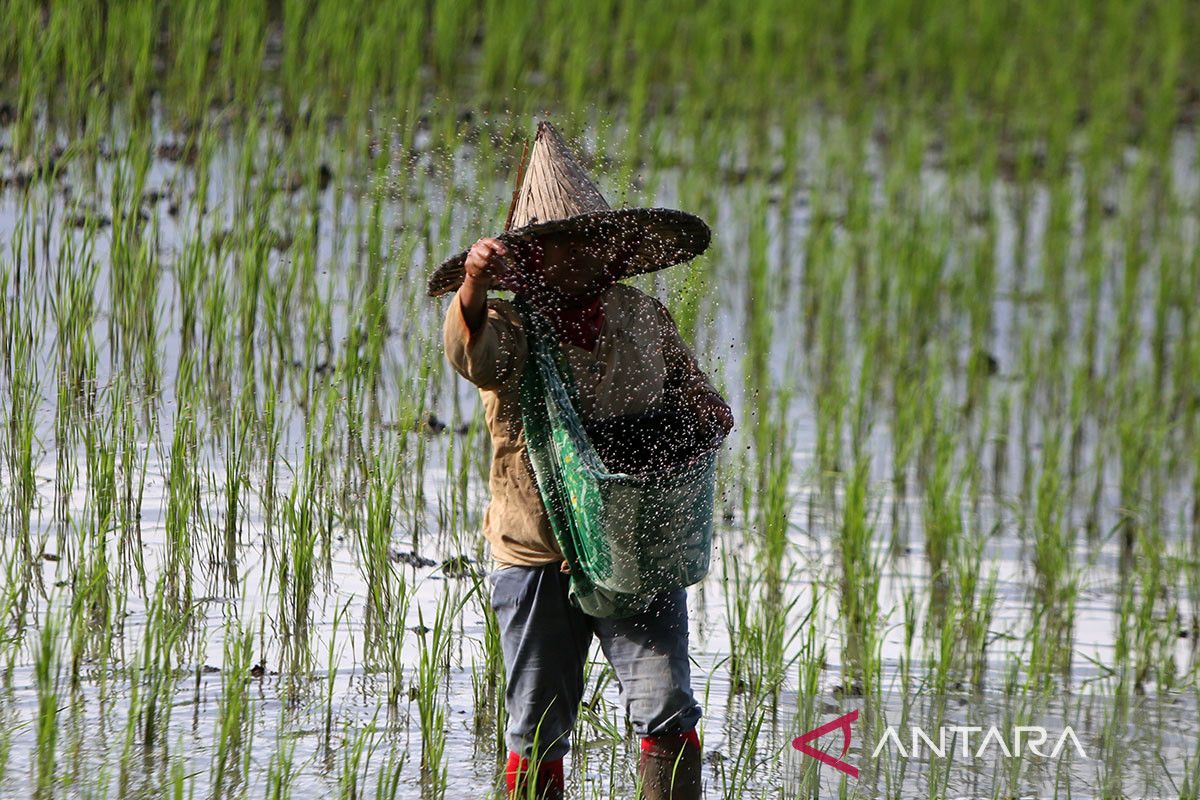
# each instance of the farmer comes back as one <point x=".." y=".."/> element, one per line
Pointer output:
<point x="564" y="251"/>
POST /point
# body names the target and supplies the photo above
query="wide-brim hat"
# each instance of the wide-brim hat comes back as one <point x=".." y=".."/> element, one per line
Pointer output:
<point x="555" y="196"/>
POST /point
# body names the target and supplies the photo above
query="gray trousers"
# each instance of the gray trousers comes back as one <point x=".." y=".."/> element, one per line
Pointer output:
<point x="545" y="641"/>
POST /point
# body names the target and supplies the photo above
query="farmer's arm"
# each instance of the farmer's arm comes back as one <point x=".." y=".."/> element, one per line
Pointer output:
<point x="685" y="376"/>
<point x="485" y="264"/>
<point x="484" y="345"/>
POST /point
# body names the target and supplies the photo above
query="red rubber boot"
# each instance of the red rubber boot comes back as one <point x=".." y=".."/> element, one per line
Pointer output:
<point x="549" y="783"/>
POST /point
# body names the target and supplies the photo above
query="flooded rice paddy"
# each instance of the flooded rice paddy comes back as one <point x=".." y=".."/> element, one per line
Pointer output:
<point x="241" y="489"/>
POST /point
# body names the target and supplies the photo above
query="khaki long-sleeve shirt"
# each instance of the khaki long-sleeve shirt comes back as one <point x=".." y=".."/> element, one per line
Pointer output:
<point x="638" y="360"/>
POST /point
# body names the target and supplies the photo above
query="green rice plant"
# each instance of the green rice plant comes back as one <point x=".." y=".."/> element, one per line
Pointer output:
<point x="154" y="674"/>
<point x="47" y="678"/>
<point x="131" y="30"/>
<point x="977" y="608"/>
<point x="488" y="680"/>
<point x="235" y="718"/>
<point x="1156" y="618"/>
<point x="942" y="512"/>
<point x="433" y="653"/>
<point x="183" y="491"/>
<point x="268" y="432"/>
<point x="598" y="720"/>
<point x="192" y="27"/>
<point x="134" y="267"/>
<point x="243" y="45"/>
<point x="20" y="426"/>
<point x="6" y="742"/>
<point x="1112" y="765"/>
<point x="735" y="589"/>
<point x="810" y="664"/>
<point x="333" y="655"/>
<point x="758" y="621"/>
<point x="734" y="774"/>
<point x="858" y="586"/>
<point x="130" y="464"/>
<point x="831" y="390"/>
<point x="234" y="490"/>
<point x="74" y="311"/>
<point x="1052" y="539"/>
<point x="388" y="778"/>
<point x="774" y="495"/>
<point x="356" y="751"/>
<point x="389" y="593"/>
<point x="1189" y="784"/>
<point x="429" y="708"/>
<point x="297" y="570"/>
<point x="453" y="507"/>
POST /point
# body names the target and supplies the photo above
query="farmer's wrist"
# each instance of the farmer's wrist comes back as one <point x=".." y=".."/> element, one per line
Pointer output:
<point x="474" y="292"/>
<point x="476" y="283"/>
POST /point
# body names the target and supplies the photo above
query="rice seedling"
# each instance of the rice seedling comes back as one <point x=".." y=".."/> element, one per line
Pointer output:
<point x="235" y="720"/>
<point x="48" y="675"/>
<point x="432" y="664"/>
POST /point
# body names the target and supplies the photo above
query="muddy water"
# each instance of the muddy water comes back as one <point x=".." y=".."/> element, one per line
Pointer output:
<point x="1156" y="733"/>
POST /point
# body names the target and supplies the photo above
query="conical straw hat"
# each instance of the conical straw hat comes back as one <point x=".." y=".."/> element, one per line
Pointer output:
<point x="555" y="196"/>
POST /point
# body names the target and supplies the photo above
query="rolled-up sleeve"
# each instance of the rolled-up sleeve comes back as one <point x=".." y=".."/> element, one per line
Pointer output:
<point x="492" y="356"/>
<point x="685" y="377"/>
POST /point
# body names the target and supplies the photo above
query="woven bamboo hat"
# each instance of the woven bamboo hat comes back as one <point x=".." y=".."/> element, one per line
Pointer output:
<point x="554" y="196"/>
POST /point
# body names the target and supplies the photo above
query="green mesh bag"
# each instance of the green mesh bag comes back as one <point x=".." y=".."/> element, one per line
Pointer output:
<point x="625" y="537"/>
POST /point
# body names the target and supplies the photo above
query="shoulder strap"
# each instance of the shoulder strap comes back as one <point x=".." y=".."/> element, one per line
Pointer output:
<point x="544" y="342"/>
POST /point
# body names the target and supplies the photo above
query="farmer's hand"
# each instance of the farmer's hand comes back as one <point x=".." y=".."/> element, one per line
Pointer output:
<point x="487" y="262"/>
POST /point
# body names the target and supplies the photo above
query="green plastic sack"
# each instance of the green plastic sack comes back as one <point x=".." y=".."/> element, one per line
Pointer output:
<point x="625" y="537"/>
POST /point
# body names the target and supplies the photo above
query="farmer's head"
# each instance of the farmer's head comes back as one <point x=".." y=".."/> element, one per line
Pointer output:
<point x="571" y="265"/>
